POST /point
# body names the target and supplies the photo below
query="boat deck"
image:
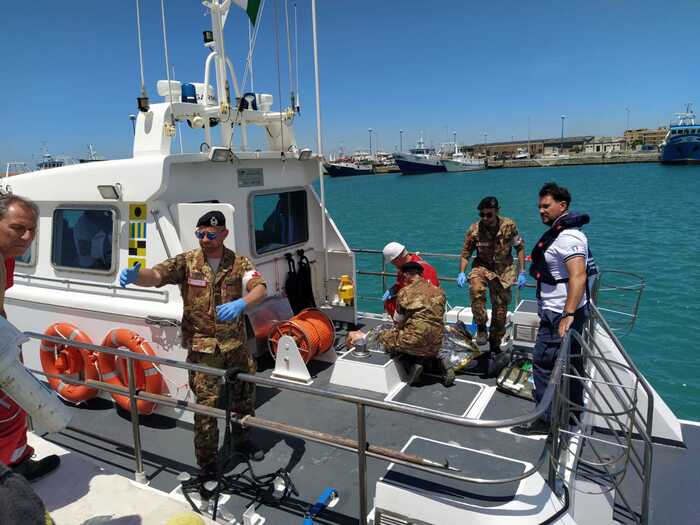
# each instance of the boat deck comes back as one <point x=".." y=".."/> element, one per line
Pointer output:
<point x="103" y="435"/>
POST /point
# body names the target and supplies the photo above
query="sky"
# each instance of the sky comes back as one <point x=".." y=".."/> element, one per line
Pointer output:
<point x="70" y="70"/>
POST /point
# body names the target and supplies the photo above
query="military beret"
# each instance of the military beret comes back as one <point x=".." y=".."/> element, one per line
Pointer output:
<point x="212" y="218"/>
<point x="488" y="202"/>
<point x="412" y="267"/>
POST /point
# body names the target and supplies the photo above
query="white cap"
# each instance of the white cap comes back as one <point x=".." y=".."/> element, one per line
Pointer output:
<point x="393" y="250"/>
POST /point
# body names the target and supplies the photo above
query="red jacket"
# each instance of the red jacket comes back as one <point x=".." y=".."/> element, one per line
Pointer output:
<point x="429" y="274"/>
<point x="10" y="272"/>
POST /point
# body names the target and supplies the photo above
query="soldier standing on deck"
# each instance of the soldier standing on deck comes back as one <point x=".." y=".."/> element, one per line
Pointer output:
<point x="216" y="285"/>
<point x="493" y="238"/>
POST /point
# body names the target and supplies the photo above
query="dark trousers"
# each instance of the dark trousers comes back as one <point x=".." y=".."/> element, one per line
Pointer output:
<point x="547" y="350"/>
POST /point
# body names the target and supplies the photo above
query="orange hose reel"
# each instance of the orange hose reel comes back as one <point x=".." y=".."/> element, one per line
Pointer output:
<point x="312" y="331"/>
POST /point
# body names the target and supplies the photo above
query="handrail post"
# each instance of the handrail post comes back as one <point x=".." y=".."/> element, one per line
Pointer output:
<point x="139" y="474"/>
<point x="362" y="461"/>
<point x="383" y="276"/>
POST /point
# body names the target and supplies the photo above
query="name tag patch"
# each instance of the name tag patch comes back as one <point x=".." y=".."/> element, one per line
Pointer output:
<point x="197" y="282"/>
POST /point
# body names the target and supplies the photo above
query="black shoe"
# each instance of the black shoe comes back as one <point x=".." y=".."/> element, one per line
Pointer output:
<point x="482" y="335"/>
<point x="250" y="449"/>
<point x="414" y="374"/>
<point x="497" y="361"/>
<point x="33" y="470"/>
<point x="539" y="427"/>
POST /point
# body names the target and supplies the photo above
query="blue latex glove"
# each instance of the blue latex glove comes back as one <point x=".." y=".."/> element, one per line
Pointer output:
<point x="230" y="311"/>
<point x="389" y="294"/>
<point x="129" y="275"/>
<point x="461" y="280"/>
<point x="522" y="279"/>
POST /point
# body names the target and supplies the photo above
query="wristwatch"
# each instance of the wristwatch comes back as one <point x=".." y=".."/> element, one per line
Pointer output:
<point x="567" y="314"/>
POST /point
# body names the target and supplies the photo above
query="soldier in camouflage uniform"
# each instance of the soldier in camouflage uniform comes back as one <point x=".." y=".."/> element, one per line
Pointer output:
<point x="216" y="286"/>
<point x="493" y="238"/>
<point x="419" y="323"/>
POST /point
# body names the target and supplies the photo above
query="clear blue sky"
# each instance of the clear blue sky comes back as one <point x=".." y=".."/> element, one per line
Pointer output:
<point x="69" y="70"/>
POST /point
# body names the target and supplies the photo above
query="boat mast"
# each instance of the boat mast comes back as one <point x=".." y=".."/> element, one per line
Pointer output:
<point x="219" y="10"/>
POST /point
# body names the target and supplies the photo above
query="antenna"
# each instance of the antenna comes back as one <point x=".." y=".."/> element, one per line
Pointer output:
<point x="142" y="101"/>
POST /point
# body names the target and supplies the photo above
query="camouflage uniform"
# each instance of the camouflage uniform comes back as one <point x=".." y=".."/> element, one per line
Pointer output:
<point x="494" y="270"/>
<point x="420" y="333"/>
<point x="210" y="342"/>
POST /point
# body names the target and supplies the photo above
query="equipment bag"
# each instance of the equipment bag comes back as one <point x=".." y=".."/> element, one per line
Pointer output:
<point x="306" y="295"/>
<point x="516" y="379"/>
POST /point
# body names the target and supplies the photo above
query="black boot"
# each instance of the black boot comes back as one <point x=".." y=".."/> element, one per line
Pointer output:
<point x="482" y="335"/>
<point x="539" y="427"/>
<point x="248" y="448"/>
<point x="33" y="470"/>
<point x="415" y="374"/>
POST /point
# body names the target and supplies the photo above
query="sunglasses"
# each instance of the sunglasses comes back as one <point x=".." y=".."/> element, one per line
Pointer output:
<point x="487" y="215"/>
<point x="209" y="235"/>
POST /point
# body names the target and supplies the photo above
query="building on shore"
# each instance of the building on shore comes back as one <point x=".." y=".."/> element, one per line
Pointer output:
<point x="638" y="138"/>
<point x="605" y="145"/>
<point x="509" y="150"/>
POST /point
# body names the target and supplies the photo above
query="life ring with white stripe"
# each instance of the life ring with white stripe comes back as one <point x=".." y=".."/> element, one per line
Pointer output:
<point x="57" y="358"/>
<point x="148" y="377"/>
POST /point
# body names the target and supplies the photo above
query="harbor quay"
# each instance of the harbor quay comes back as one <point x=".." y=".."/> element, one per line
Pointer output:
<point x="576" y="160"/>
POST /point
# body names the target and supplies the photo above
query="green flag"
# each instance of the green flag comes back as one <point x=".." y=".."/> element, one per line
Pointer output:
<point x="252" y="7"/>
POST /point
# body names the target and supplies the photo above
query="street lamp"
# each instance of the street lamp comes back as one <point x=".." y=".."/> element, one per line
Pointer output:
<point x="561" y="146"/>
<point x="486" y="144"/>
<point x="370" y="141"/>
<point x="132" y="118"/>
<point x="628" y="118"/>
<point x="401" y="140"/>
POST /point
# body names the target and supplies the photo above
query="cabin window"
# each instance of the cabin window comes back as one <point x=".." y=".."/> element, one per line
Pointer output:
<point x="82" y="239"/>
<point x="280" y="220"/>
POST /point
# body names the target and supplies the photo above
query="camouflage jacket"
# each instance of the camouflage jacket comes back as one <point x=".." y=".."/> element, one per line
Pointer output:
<point x="420" y="332"/>
<point x="493" y="249"/>
<point x="202" y="291"/>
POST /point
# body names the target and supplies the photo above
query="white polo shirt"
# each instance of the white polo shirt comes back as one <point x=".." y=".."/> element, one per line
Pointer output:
<point x="570" y="243"/>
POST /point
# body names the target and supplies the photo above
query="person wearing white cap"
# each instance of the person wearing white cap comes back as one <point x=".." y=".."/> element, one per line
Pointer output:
<point x="397" y="254"/>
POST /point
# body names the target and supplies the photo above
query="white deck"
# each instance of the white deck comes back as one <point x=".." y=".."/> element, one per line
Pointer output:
<point x="79" y="491"/>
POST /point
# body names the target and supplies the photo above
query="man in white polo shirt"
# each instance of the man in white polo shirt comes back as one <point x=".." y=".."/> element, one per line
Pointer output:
<point x="560" y="265"/>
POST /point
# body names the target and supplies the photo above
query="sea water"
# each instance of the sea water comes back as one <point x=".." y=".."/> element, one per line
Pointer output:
<point x="644" y="220"/>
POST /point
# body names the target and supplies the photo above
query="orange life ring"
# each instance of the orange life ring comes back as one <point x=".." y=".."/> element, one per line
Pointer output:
<point x="59" y="358"/>
<point x="147" y="375"/>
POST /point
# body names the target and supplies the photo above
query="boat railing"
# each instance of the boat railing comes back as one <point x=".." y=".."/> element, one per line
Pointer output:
<point x="359" y="446"/>
<point x="384" y="274"/>
<point x="612" y="388"/>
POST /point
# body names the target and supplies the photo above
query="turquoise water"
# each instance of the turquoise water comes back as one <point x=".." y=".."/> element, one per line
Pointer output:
<point x="643" y="220"/>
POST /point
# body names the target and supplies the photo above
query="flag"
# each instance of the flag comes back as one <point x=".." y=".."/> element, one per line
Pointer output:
<point x="252" y="7"/>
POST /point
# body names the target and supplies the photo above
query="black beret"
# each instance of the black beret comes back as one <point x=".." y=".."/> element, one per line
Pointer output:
<point x="412" y="267"/>
<point x="212" y="218"/>
<point x="488" y="202"/>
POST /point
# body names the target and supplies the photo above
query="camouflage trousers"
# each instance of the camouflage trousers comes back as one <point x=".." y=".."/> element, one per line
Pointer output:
<point x="208" y="390"/>
<point x="419" y="340"/>
<point x="481" y="280"/>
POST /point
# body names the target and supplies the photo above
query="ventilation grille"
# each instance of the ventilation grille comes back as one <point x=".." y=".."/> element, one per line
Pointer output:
<point x="525" y="332"/>
<point x="390" y="519"/>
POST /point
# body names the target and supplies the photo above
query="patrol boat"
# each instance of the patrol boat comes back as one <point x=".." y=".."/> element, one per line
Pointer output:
<point x="347" y="440"/>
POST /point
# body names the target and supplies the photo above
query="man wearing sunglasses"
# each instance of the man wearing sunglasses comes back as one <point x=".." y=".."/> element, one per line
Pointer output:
<point x="493" y="237"/>
<point x="217" y="286"/>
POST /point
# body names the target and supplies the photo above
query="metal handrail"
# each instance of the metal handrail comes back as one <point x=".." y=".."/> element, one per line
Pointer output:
<point x="72" y="282"/>
<point x="360" y="446"/>
<point x="614" y="469"/>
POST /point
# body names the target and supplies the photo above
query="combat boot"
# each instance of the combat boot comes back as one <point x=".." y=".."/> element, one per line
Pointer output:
<point x="415" y="374"/>
<point x="33" y="470"/>
<point x="248" y="448"/>
<point x="482" y="335"/>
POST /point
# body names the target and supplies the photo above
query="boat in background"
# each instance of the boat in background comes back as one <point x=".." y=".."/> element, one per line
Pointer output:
<point x="347" y="169"/>
<point x="419" y="160"/>
<point x="459" y="162"/>
<point x="682" y="142"/>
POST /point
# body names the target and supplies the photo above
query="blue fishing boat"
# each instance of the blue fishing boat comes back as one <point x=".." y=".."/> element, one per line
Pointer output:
<point x="682" y="142"/>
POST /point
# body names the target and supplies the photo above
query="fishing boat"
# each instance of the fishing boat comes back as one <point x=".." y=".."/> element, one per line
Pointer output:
<point x="347" y="438"/>
<point x="682" y="142"/>
<point x="460" y="162"/>
<point x="347" y="169"/>
<point x="419" y="160"/>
